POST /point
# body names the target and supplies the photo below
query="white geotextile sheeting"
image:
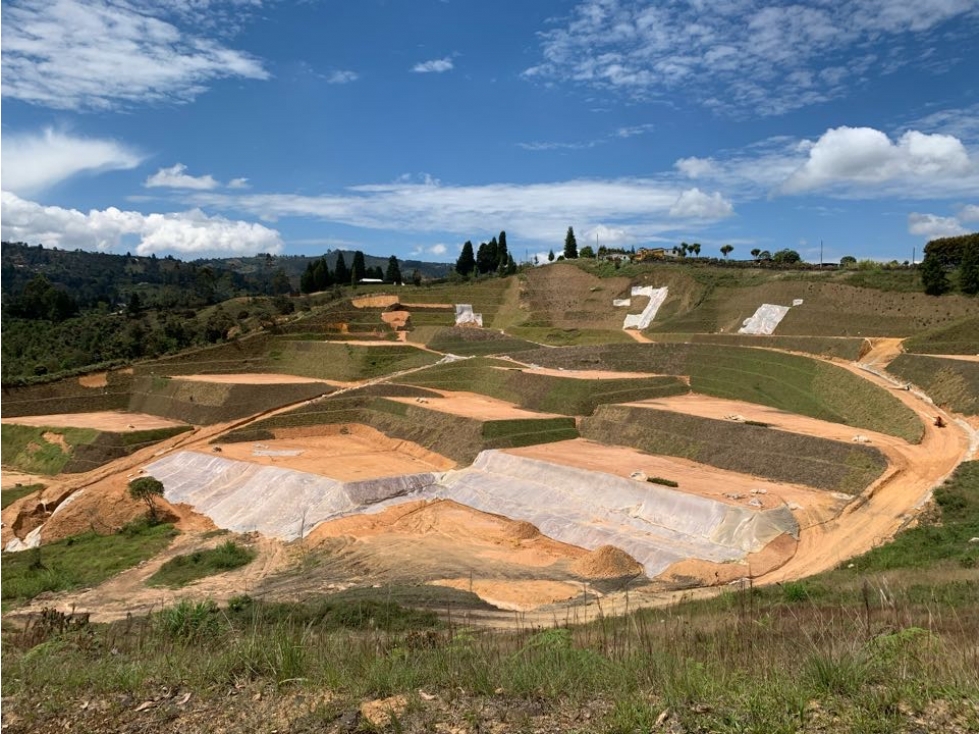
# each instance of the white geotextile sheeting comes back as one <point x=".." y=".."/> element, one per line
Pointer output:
<point x="765" y="319"/>
<point x="654" y="524"/>
<point x="620" y="302"/>
<point x="465" y="315"/>
<point x="656" y="298"/>
<point x="242" y="496"/>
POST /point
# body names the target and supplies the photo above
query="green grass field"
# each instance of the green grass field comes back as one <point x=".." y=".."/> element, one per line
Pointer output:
<point x="80" y="561"/>
<point x="961" y="337"/>
<point x="183" y="569"/>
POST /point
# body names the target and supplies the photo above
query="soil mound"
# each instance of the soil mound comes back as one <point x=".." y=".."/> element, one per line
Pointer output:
<point x="607" y="562"/>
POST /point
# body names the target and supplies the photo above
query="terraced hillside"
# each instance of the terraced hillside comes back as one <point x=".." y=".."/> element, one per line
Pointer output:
<point x="789" y="382"/>
<point x="518" y="473"/>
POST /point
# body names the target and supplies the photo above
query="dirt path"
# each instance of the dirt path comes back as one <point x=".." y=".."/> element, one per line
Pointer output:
<point x="891" y="502"/>
<point x="962" y="357"/>
<point x="127" y="592"/>
<point x="638" y="336"/>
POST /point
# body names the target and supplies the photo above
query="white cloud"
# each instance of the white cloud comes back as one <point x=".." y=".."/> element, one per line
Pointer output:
<point x="695" y="204"/>
<point x="694" y="167"/>
<point x="341" y="76"/>
<point x="176" y="178"/>
<point x="932" y="225"/>
<point x="969" y="213"/>
<point x="238" y="183"/>
<point x="86" y="54"/>
<point x="34" y="162"/>
<point x="538" y="213"/>
<point x="187" y="233"/>
<point x="867" y="156"/>
<point x="439" y="249"/>
<point x="435" y="66"/>
<point x="742" y="57"/>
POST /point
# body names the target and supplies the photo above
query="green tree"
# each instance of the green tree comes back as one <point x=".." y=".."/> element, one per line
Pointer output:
<point x="307" y="281"/>
<point x="695" y="248"/>
<point x="502" y="254"/>
<point x="341" y="275"/>
<point x="848" y="261"/>
<point x="586" y="252"/>
<point x="488" y="257"/>
<point x="933" y="276"/>
<point x="755" y="253"/>
<point x="393" y="274"/>
<point x="145" y="489"/>
<point x="416" y="277"/>
<point x="550" y="256"/>
<point x="786" y="257"/>
<point x="467" y="260"/>
<point x="358" y="269"/>
<point x="135" y="304"/>
<point x="726" y="250"/>
<point x="570" y="245"/>
<point x="969" y="269"/>
<point x="321" y="275"/>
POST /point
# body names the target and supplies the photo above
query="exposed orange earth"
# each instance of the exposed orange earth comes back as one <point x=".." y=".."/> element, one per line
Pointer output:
<point x="473" y="405"/>
<point x="109" y="420"/>
<point x="253" y="378"/>
<point x="346" y="453"/>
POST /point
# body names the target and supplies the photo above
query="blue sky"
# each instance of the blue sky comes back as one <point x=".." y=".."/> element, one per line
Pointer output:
<point x="207" y="128"/>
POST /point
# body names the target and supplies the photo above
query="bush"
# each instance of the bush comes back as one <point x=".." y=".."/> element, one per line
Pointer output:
<point x="183" y="569"/>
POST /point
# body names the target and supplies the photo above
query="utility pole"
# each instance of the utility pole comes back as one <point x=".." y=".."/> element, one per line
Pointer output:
<point x="913" y="252"/>
<point x="820" y="254"/>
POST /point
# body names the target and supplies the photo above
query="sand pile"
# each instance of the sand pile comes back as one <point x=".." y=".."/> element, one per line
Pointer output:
<point x="607" y="562"/>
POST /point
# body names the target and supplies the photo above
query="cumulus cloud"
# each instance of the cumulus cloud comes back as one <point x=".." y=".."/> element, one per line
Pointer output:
<point x="34" y="162"/>
<point x="930" y="226"/>
<point x="186" y="233"/>
<point x="238" y="183"/>
<point x="435" y="66"/>
<point x="694" y="167"/>
<point x="969" y="213"/>
<point x="341" y="76"/>
<point x="761" y="57"/>
<point x="695" y="204"/>
<point x="439" y="249"/>
<point x="86" y="54"/>
<point x="866" y="155"/>
<point x="176" y="177"/>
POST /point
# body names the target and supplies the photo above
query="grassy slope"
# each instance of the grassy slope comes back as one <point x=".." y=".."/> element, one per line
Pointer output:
<point x="789" y="382"/>
<point x="11" y="495"/>
<point x="769" y="453"/>
<point x="961" y="337"/>
<point x="25" y="448"/>
<point x="82" y="560"/>
<point x="950" y="382"/>
<point x="547" y="393"/>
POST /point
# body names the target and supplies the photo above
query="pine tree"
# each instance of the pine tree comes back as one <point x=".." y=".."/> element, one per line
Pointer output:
<point x="467" y="261"/>
<point x="487" y="257"/>
<point x="969" y="269"/>
<point x="550" y="256"/>
<point x="393" y="274"/>
<point x="358" y="269"/>
<point x="933" y="276"/>
<point x="570" y="245"/>
<point x="307" y="281"/>
<point x="503" y="255"/>
<point x="321" y="275"/>
<point x="340" y="273"/>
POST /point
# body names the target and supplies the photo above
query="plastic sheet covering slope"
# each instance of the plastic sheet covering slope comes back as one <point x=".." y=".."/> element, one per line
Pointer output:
<point x="465" y="315"/>
<point x="241" y="496"/>
<point x="656" y="525"/>
<point x="765" y="319"/>
<point x="642" y="320"/>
